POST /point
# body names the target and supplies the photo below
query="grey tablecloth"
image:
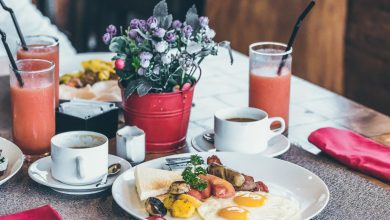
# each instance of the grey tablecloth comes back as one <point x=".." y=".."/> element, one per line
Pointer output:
<point x="352" y="197"/>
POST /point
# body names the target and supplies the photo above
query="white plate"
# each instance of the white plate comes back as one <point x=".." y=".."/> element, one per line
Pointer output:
<point x="39" y="171"/>
<point x="284" y="177"/>
<point x="15" y="159"/>
<point x="278" y="145"/>
<point x="73" y="63"/>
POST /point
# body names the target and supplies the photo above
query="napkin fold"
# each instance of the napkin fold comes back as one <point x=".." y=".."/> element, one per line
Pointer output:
<point x="41" y="213"/>
<point x="354" y="150"/>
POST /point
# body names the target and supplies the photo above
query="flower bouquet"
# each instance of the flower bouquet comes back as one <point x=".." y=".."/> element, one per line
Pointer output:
<point x="158" y="61"/>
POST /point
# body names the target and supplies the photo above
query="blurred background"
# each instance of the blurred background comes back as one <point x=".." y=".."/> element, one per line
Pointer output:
<point x="344" y="45"/>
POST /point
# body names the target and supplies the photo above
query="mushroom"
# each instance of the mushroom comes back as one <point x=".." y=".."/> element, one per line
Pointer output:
<point x="179" y="187"/>
<point x="155" y="207"/>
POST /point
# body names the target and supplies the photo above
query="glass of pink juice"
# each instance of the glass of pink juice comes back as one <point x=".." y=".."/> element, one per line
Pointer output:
<point x="33" y="107"/>
<point x="269" y="90"/>
<point x="42" y="47"/>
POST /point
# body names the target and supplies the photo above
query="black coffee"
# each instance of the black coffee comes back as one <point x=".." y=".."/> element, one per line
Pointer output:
<point x="241" y="119"/>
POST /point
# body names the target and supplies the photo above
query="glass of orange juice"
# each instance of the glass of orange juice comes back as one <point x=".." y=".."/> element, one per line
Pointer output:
<point x="33" y="107"/>
<point x="268" y="89"/>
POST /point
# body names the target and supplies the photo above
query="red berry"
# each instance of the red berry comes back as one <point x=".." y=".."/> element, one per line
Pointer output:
<point x="119" y="64"/>
<point x="186" y="86"/>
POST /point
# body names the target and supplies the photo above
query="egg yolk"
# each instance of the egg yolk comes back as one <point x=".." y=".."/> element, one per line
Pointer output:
<point x="250" y="200"/>
<point x="233" y="213"/>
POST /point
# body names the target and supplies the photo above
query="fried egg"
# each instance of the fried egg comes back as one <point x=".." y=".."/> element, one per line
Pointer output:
<point x="250" y="206"/>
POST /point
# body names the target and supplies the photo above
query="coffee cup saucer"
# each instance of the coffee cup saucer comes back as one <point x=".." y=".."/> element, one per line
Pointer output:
<point x="40" y="172"/>
<point x="278" y="145"/>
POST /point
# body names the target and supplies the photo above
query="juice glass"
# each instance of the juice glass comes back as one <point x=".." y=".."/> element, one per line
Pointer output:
<point x="43" y="47"/>
<point x="269" y="90"/>
<point x="33" y="107"/>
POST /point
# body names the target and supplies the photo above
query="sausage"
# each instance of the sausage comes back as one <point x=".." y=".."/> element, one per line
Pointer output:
<point x="220" y="188"/>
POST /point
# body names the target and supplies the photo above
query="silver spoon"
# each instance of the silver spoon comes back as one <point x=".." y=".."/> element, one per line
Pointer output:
<point x="112" y="170"/>
<point x="209" y="137"/>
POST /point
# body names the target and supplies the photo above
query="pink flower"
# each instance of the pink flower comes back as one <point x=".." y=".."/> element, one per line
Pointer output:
<point x="186" y="86"/>
<point x="119" y="64"/>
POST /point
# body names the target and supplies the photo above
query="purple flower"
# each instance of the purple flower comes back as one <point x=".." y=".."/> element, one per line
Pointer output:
<point x="170" y="37"/>
<point x="204" y="21"/>
<point x="141" y="71"/>
<point x="139" y="39"/>
<point x="161" y="46"/>
<point x="159" y="32"/>
<point x="145" y="55"/>
<point x="145" y="63"/>
<point x="176" y="24"/>
<point x="134" y="23"/>
<point x="111" y="29"/>
<point x="133" y="34"/>
<point x="152" y="22"/>
<point x="187" y="30"/>
<point x="106" y="38"/>
<point x="142" y="25"/>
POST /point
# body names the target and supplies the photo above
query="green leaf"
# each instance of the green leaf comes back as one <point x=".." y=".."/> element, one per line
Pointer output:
<point x="192" y="18"/>
<point x="166" y="22"/>
<point x="132" y="86"/>
<point x="118" y="44"/>
<point x="144" y="88"/>
<point x="161" y="9"/>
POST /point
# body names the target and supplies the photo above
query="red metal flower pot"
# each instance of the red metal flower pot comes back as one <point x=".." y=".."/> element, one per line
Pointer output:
<point x="163" y="116"/>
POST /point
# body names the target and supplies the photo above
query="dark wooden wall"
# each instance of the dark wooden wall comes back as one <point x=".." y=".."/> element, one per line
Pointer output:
<point x="319" y="48"/>
<point x="367" y="58"/>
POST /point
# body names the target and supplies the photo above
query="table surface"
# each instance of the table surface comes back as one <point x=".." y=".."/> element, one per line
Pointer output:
<point x="222" y="85"/>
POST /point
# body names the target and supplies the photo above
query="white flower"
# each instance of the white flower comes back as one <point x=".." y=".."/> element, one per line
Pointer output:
<point x="156" y="70"/>
<point x="141" y="71"/>
<point x="193" y="47"/>
<point x="161" y="46"/>
<point x="210" y="33"/>
<point x="166" y="58"/>
<point x="145" y="63"/>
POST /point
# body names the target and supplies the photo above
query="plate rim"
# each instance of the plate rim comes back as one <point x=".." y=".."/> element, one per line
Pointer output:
<point x="116" y="182"/>
<point x="74" y="187"/>
<point x="21" y="159"/>
<point x="278" y="153"/>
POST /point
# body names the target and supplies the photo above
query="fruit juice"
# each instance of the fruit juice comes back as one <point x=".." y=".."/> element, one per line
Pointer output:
<point x="269" y="91"/>
<point x="42" y="51"/>
<point x="33" y="109"/>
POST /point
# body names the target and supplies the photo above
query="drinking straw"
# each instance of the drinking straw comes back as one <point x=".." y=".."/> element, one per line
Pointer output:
<point x="22" y="41"/>
<point x="294" y="33"/>
<point x="11" y="58"/>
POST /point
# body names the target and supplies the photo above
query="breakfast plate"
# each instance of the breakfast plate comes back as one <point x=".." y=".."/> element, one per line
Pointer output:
<point x="278" y="145"/>
<point x="15" y="159"/>
<point x="282" y="178"/>
<point x="39" y="171"/>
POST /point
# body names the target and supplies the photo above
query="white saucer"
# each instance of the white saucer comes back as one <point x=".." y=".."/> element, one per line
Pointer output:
<point x="278" y="145"/>
<point x="39" y="171"/>
<point x="15" y="159"/>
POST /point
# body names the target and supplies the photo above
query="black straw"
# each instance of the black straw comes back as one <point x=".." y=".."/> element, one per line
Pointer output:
<point x="294" y="33"/>
<point x="22" y="41"/>
<point x="11" y="58"/>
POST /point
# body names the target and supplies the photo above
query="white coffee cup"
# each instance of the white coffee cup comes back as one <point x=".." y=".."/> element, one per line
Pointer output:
<point x="79" y="157"/>
<point x="130" y="143"/>
<point x="244" y="137"/>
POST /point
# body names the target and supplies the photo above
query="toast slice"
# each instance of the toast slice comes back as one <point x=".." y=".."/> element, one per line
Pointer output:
<point x="152" y="182"/>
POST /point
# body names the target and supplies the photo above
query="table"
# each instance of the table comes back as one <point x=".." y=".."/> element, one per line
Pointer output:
<point x="221" y="86"/>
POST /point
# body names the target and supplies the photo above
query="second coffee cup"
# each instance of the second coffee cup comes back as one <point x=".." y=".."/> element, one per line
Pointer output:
<point x="244" y="130"/>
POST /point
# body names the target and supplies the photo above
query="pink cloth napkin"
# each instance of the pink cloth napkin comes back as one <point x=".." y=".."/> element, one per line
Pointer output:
<point x="42" y="213"/>
<point x="354" y="150"/>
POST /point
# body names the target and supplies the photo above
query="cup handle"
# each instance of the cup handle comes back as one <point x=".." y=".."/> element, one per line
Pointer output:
<point x="80" y="167"/>
<point x="277" y="131"/>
